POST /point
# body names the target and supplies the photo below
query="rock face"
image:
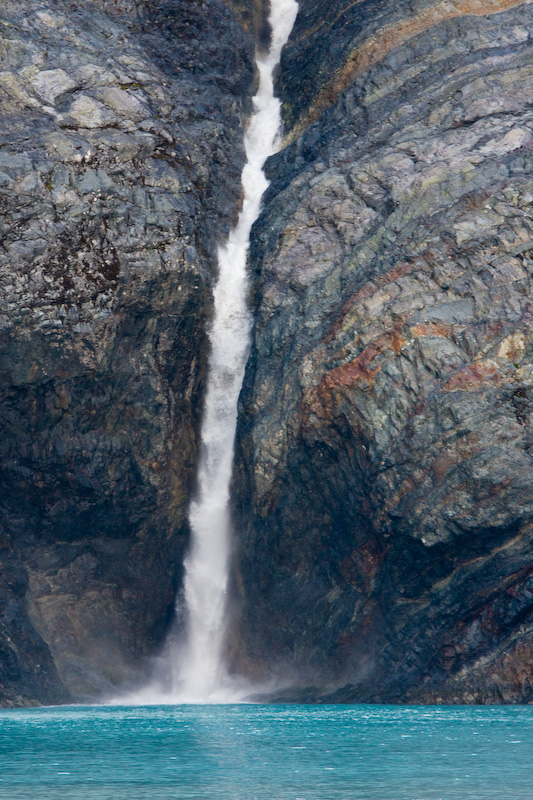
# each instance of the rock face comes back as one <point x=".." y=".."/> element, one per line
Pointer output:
<point x="121" y="130"/>
<point x="384" y="476"/>
<point x="384" y="483"/>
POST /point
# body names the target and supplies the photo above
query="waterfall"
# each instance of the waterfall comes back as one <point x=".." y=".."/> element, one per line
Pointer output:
<point x="199" y="670"/>
<point x="192" y="670"/>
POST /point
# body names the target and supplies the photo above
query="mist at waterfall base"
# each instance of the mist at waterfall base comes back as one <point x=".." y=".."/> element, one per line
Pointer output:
<point x="247" y="752"/>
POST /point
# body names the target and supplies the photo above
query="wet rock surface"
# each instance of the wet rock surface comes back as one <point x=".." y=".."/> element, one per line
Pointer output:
<point x="384" y="481"/>
<point x="121" y="127"/>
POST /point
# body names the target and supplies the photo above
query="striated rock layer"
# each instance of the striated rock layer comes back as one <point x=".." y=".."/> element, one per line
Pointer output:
<point x="384" y="485"/>
<point x="121" y="125"/>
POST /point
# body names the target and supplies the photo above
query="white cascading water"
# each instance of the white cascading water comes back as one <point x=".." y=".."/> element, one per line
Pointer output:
<point x="199" y="670"/>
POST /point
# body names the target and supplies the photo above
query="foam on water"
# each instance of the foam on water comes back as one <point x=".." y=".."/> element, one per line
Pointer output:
<point x="198" y="673"/>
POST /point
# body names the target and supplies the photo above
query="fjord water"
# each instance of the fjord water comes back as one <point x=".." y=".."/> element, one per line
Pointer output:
<point x="198" y="672"/>
<point x="275" y="752"/>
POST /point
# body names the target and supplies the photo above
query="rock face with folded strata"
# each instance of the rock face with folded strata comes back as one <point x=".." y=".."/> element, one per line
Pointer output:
<point x="385" y="452"/>
<point x="383" y="486"/>
<point x="121" y="128"/>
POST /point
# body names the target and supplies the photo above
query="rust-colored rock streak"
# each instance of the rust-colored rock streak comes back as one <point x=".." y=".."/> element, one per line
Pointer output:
<point x="376" y="47"/>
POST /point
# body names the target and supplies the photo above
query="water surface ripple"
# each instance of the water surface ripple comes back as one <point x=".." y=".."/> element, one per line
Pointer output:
<point x="275" y="752"/>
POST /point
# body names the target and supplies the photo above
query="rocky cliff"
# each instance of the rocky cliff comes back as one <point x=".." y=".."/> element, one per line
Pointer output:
<point x="121" y="126"/>
<point x="383" y="488"/>
<point x="384" y="483"/>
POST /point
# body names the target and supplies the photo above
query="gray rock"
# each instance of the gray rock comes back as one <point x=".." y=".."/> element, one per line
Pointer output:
<point x="121" y="132"/>
<point x="384" y="472"/>
<point x="52" y="84"/>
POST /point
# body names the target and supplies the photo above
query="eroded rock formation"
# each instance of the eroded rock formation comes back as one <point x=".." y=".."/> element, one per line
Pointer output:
<point x="121" y="132"/>
<point x="385" y="467"/>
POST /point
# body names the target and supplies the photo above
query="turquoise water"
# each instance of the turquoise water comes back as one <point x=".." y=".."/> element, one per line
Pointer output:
<point x="254" y="752"/>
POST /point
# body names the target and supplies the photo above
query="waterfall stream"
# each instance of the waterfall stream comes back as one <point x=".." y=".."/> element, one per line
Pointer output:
<point x="199" y="674"/>
<point x="191" y="668"/>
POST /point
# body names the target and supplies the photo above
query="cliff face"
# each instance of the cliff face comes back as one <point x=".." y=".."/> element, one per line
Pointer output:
<point x="121" y="130"/>
<point x="384" y="483"/>
<point x="383" y="486"/>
